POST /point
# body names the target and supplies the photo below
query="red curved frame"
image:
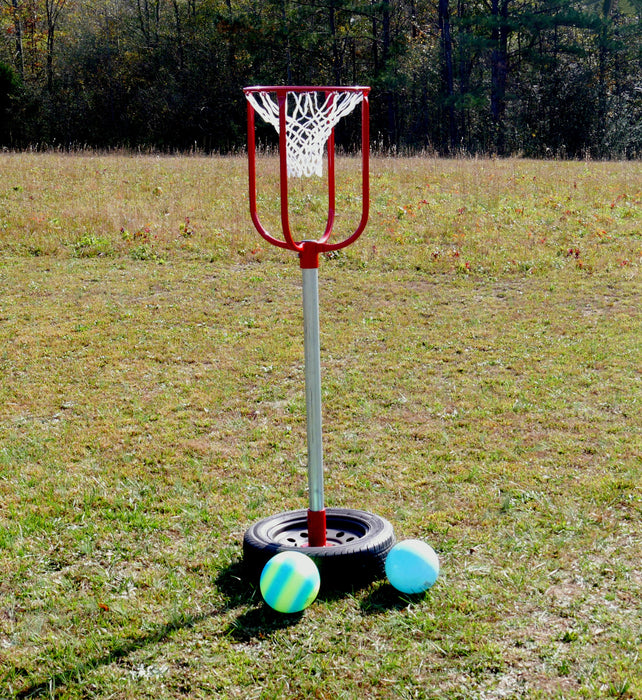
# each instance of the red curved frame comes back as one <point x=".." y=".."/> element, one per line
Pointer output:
<point x="308" y="250"/>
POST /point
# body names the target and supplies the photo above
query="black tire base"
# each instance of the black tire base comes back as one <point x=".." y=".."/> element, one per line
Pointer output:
<point x="358" y="543"/>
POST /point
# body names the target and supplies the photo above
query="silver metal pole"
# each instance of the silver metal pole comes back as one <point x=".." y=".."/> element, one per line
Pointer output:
<point x="312" y="352"/>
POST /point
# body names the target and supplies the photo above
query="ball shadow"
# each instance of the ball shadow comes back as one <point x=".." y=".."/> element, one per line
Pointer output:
<point x="385" y="597"/>
<point x="237" y="583"/>
<point x="260" y="621"/>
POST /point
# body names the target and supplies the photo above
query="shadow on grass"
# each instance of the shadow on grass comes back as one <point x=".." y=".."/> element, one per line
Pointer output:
<point x="239" y="593"/>
<point x="261" y="621"/>
<point x="385" y="598"/>
<point x="257" y="622"/>
<point x="121" y="650"/>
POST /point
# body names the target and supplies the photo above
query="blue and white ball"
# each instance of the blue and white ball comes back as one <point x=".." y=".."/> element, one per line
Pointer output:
<point x="412" y="566"/>
<point x="290" y="582"/>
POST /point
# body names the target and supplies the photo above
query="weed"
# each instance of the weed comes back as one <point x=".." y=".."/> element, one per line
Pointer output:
<point x="89" y="246"/>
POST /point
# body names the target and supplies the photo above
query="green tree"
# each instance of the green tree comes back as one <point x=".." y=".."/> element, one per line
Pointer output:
<point x="13" y="11"/>
<point x="53" y="13"/>
<point x="9" y="86"/>
<point x="539" y="77"/>
<point x="448" y="71"/>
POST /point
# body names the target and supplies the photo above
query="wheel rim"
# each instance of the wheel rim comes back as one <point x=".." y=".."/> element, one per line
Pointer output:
<point x="340" y="530"/>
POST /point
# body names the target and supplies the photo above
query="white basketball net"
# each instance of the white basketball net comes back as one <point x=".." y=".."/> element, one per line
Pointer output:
<point x="310" y="118"/>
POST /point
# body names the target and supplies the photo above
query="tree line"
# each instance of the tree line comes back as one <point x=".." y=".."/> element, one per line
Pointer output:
<point x="534" y="77"/>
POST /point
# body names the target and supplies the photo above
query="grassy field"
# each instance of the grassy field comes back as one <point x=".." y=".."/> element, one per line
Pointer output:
<point x="482" y="376"/>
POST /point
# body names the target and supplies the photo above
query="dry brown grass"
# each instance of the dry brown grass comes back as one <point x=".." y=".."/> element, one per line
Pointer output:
<point x="481" y="389"/>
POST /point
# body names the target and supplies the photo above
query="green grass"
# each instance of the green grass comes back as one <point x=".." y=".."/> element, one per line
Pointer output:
<point x="482" y="386"/>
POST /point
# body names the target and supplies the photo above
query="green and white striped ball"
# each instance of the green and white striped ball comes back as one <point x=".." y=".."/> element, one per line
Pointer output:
<point x="289" y="582"/>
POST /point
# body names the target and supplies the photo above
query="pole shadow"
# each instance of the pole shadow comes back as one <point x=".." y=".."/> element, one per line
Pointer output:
<point x="259" y="621"/>
<point x="120" y="651"/>
<point x="238" y="592"/>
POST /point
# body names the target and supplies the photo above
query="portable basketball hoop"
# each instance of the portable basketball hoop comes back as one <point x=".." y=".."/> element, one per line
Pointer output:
<point x="349" y="545"/>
